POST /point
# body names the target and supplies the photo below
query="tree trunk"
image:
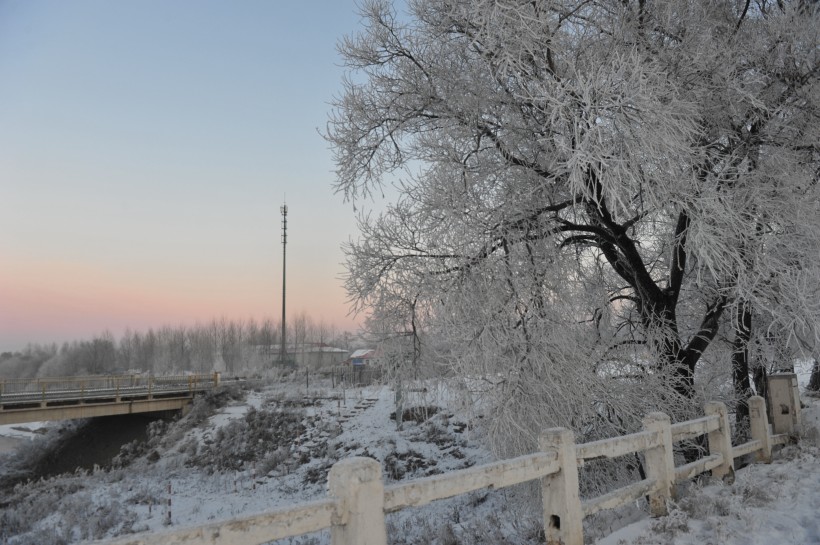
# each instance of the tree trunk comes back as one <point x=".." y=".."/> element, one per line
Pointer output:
<point x="814" y="381"/>
<point x="740" y="363"/>
<point x="760" y="379"/>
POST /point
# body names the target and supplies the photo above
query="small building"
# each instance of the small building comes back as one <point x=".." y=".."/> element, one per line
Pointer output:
<point x="364" y="356"/>
<point x="309" y="355"/>
<point x="318" y="355"/>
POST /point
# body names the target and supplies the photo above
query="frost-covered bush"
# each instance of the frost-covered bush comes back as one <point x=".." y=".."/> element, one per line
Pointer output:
<point x="206" y="405"/>
<point x="492" y="523"/>
<point x="129" y="452"/>
<point x="700" y="506"/>
<point x="61" y="510"/>
<point x="256" y="438"/>
<point x="44" y="536"/>
<point x="399" y="464"/>
<point x="675" y="522"/>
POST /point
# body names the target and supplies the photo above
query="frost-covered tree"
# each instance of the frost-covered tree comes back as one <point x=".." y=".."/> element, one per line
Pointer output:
<point x="588" y="182"/>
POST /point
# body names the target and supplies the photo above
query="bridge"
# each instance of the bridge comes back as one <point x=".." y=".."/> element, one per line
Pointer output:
<point x="41" y="399"/>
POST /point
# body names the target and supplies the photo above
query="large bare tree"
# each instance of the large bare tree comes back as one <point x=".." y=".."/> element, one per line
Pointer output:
<point x="586" y="177"/>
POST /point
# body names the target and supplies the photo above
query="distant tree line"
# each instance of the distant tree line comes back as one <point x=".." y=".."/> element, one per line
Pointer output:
<point x="230" y="346"/>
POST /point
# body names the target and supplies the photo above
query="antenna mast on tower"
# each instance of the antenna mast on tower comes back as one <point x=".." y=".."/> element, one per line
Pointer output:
<point x="283" y="346"/>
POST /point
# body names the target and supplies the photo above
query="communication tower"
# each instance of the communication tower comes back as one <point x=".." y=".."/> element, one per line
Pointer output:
<point x="283" y="346"/>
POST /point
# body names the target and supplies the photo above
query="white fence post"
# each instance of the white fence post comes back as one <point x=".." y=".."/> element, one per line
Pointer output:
<point x="563" y="516"/>
<point x="660" y="463"/>
<point x="720" y="440"/>
<point x="759" y="423"/>
<point x="357" y="485"/>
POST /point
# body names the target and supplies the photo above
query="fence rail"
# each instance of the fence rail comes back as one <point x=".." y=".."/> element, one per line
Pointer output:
<point x="358" y="500"/>
<point x="499" y="474"/>
<point x="684" y="431"/>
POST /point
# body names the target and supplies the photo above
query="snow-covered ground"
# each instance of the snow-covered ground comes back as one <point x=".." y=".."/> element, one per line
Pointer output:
<point x="12" y="435"/>
<point x="198" y="465"/>
<point x="767" y="504"/>
<point x="770" y="504"/>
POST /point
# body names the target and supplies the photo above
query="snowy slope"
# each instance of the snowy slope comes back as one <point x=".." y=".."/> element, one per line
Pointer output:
<point x="197" y="466"/>
<point x="273" y="447"/>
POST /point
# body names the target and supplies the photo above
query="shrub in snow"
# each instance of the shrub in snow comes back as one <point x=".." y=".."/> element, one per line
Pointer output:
<point x="675" y="522"/>
<point x="397" y="465"/>
<point x="259" y="437"/>
<point x="753" y="494"/>
<point x="45" y="536"/>
<point x="417" y="414"/>
<point x="129" y="452"/>
<point x="466" y="524"/>
<point x="700" y="506"/>
<point x="206" y="405"/>
<point x="61" y="510"/>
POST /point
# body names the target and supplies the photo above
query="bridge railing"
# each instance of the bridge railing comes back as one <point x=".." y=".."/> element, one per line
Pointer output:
<point x="88" y="387"/>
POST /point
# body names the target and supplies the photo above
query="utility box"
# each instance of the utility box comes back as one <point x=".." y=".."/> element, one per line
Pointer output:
<point x="784" y="403"/>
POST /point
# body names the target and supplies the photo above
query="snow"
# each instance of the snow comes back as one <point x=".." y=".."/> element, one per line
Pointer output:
<point x="12" y="435"/>
<point x="774" y="503"/>
<point x="337" y="424"/>
<point x="802" y="368"/>
<point x="767" y="504"/>
<point x="29" y="430"/>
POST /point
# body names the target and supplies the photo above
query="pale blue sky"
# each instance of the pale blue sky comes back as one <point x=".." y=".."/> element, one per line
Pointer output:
<point x="145" y="150"/>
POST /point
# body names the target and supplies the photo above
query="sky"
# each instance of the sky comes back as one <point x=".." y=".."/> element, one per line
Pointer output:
<point x="145" y="150"/>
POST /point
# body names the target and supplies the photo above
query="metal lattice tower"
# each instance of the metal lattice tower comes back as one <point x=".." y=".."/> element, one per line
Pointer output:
<point x="283" y="346"/>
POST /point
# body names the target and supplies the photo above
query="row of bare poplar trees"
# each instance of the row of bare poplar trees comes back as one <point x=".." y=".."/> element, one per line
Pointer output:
<point x="231" y="346"/>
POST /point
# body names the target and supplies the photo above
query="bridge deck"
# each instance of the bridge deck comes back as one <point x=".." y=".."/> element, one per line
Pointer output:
<point x="84" y="397"/>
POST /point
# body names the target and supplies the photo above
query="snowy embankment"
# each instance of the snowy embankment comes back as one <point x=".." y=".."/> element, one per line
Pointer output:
<point x="246" y="452"/>
<point x="259" y="450"/>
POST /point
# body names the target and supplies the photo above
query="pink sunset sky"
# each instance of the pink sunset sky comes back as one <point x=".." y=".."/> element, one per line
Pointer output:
<point x="145" y="151"/>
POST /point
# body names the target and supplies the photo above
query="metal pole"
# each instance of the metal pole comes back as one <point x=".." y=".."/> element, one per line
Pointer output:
<point x="284" y="210"/>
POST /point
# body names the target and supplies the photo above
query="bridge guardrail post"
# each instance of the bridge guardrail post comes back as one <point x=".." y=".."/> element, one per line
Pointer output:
<point x="150" y="387"/>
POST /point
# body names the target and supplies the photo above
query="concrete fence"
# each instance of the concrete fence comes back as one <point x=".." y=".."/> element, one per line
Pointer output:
<point x="358" y="499"/>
